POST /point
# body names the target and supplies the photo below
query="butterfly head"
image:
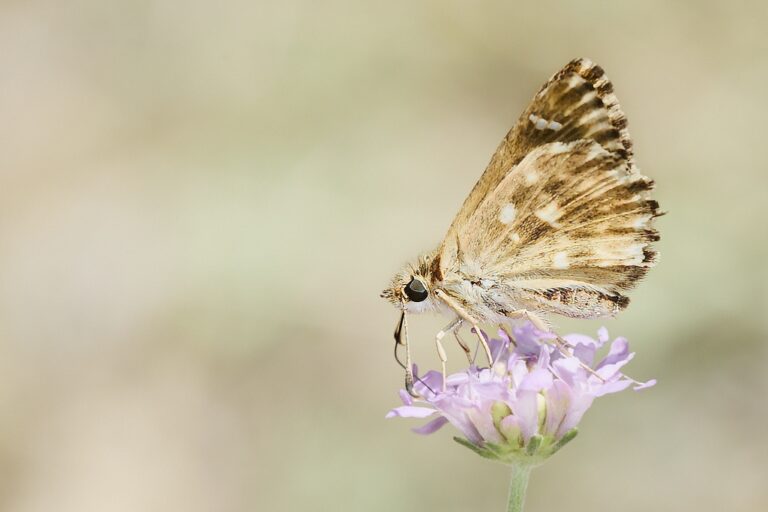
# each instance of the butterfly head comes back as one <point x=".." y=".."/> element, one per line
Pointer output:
<point x="410" y="289"/>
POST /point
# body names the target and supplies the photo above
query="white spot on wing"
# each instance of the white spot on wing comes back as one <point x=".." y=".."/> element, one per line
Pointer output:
<point x="591" y="117"/>
<point x="591" y="95"/>
<point x="575" y="80"/>
<point x="641" y="221"/>
<point x="627" y="254"/>
<point x="531" y="176"/>
<point x="595" y="151"/>
<point x="560" y="260"/>
<point x="550" y="214"/>
<point x="507" y="214"/>
<point x="542" y="124"/>
<point x="559" y="147"/>
<point x="514" y="237"/>
<point x="636" y="253"/>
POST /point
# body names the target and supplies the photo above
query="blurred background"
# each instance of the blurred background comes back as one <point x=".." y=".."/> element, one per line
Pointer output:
<point x="200" y="204"/>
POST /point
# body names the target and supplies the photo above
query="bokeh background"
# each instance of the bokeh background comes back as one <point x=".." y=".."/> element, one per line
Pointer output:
<point x="201" y="202"/>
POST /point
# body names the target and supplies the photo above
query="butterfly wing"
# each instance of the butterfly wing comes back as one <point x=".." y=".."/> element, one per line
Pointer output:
<point x="561" y="218"/>
<point x="576" y="103"/>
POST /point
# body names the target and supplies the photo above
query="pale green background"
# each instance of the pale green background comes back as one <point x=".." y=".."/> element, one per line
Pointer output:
<point x="200" y="203"/>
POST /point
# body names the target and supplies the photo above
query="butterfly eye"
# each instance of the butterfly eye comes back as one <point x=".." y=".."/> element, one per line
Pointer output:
<point x="416" y="291"/>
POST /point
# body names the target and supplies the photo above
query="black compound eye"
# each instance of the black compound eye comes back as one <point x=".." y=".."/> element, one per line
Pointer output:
<point x="416" y="291"/>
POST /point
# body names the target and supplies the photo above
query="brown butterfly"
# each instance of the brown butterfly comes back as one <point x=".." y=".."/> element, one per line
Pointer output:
<point x="559" y="222"/>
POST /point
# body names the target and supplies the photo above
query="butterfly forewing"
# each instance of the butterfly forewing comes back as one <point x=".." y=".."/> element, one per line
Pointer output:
<point x="561" y="218"/>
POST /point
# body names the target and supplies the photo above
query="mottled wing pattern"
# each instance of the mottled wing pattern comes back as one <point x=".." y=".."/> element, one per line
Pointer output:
<point x="576" y="103"/>
<point x="565" y="231"/>
<point x="561" y="218"/>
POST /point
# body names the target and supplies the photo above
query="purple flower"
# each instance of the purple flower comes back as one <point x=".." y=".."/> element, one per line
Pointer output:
<point x="528" y="405"/>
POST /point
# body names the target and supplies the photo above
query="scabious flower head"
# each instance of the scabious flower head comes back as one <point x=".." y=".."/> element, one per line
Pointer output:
<point x="528" y="405"/>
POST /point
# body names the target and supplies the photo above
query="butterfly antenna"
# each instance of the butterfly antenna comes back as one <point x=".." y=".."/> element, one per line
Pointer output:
<point x="404" y="367"/>
<point x="401" y="331"/>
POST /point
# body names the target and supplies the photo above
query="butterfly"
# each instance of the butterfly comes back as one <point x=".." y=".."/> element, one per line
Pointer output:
<point x="560" y="222"/>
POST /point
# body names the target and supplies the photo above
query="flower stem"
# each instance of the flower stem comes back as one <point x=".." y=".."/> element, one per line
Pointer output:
<point x="517" y="486"/>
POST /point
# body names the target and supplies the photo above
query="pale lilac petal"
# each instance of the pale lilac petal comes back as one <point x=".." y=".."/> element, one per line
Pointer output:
<point x="527" y="411"/>
<point x="497" y="346"/>
<point x="499" y="352"/>
<point x="619" y="352"/>
<point x="609" y="371"/>
<point x="584" y="347"/>
<point x="431" y="427"/>
<point x="602" y="336"/>
<point x="428" y="384"/>
<point x="518" y="370"/>
<point x="405" y="397"/>
<point x="612" y="387"/>
<point x="527" y="340"/>
<point x="483" y="422"/>
<point x="460" y="421"/>
<point x="557" y="400"/>
<point x="510" y="427"/>
<point x="567" y="370"/>
<point x="585" y="353"/>
<point x="456" y="379"/>
<point x="410" y="411"/>
<point x="580" y="339"/>
<point x="576" y="409"/>
<point x="645" y="385"/>
<point x="537" y="380"/>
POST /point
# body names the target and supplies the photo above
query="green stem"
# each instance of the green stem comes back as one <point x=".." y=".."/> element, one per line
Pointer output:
<point x="517" y="486"/>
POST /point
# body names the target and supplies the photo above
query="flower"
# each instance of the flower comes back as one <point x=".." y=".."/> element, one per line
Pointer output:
<point x="528" y="404"/>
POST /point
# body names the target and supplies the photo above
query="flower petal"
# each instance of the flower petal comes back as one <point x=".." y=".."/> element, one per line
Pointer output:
<point x="610" y="371"/>
<point x="619" y="352"/>
<point x="510" y="428"/>
<point x="431" y="382"/>
<point x="431" y="427"/>
<point x="645" y="385"/>
<point x="410" y="411"/>
<point x="578" y="405"/>
<point x="459" y="419"/>
<point x="584" y="347"/>
<point x="557" y="399"/>
<point x="526" y="409"/>
<point x="483" y="422"/>
<point x="567" y="370"/>
<point x="612" y="387"/>
<point x="456" y="379"/>
<point x="537" y="380"/>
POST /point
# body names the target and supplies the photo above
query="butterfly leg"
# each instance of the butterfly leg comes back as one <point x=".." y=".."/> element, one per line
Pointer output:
<point x="463" y="345"/>
<point x="462" y="313"/>
<point x="509" y="334"/>
<point x="438" y="343"/>
<point x="536" y="320"/>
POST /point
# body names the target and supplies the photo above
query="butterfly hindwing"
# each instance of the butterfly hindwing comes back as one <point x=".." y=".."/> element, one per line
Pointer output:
<point x="566" y="230"/>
